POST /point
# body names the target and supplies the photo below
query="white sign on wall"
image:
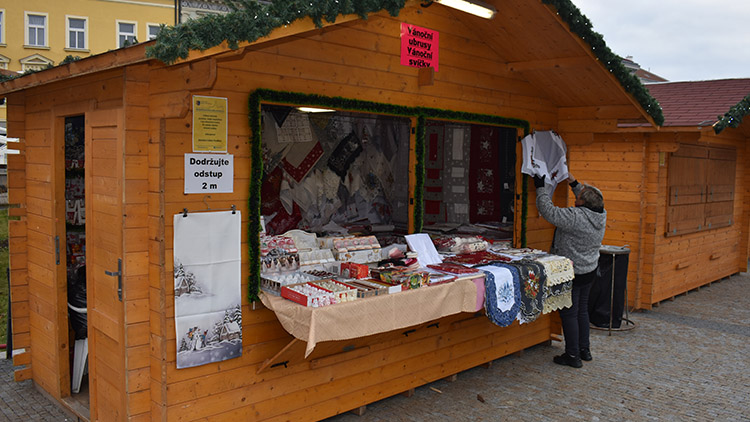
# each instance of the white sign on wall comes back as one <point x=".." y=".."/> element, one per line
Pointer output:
<point x="209" y="173"/>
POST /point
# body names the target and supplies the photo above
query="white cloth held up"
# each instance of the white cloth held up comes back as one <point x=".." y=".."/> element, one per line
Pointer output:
<point x="544" y="154"/>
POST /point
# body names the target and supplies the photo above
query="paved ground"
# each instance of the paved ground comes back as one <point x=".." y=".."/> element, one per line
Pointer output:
<point x="21" y="402"/>
<point x="687" y="360"/>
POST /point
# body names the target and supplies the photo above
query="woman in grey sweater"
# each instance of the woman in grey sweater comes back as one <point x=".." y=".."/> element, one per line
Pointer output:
<point x="578" y="236"/>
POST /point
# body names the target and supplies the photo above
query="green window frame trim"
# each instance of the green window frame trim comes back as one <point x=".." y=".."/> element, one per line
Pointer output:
<point x="422" y="114"/>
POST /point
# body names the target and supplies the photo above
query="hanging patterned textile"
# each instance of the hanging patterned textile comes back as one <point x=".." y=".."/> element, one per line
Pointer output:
<point x="557" y="297"/>
<point x="502" y="293"/>
<point x="532" y="289"/>
<point x="557" y="289"/>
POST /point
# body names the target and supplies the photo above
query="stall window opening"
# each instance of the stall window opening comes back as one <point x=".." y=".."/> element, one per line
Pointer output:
<point x="334" y="171"/>
<point x="469" y="179"/>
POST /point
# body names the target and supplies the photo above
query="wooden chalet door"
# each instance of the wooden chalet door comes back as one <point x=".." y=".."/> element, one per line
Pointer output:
<point x="104" y="253"/>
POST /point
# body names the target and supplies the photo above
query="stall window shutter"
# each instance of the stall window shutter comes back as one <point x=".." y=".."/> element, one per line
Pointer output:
<point x="720" y="179"/>
<point x="700" y="186"/>
<point x="687" y="190"/>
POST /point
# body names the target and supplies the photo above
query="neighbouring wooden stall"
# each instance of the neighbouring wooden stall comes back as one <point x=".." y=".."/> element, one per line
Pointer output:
<point x="701" y="231"/>
<point x="527" y="69"/>
<point x="675" y="196"/>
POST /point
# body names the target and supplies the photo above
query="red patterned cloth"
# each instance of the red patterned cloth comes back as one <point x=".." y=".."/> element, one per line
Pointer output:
<point x="299" y="166"/>
<point x="477" y="258"/>
<point x="485" y="186"/>
<point x="452" y="268"/>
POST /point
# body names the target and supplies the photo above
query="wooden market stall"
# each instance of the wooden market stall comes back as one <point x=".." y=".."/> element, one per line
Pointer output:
<point x="101" y="173"/>
<point x="675" y="196"/>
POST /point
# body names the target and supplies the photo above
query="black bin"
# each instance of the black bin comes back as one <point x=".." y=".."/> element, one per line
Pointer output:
<point x="608" y="291"/>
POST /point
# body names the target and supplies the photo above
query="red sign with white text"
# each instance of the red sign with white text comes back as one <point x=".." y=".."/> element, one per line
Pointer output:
<point x="419" y="46"/>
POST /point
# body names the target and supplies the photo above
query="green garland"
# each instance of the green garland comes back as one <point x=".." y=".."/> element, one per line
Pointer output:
<point x="581" y="26"/>
<point x="256" y="180"/>
<point x="733" y="117"/>
<point x="419" y="171"/>
<point x="251" y="20"/>
<point x="314" y="100"/>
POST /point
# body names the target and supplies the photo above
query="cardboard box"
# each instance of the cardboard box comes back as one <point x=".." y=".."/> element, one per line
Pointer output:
<point x="322" y="297"/>
<point x="343" y="292"/>
<point x="367" y="290"/>
<point x="365" y="256"/>
<point x="272" y="283"/>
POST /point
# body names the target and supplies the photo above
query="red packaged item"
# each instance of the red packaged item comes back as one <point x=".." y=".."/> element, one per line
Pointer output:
<point x="449" y="267"/>
<point x="353" y="270"/>
<point x="308" y="294"/>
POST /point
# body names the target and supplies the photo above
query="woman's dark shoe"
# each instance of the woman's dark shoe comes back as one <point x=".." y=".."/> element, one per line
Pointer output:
<point x="566" y="359"/>
<point x="586" y="354"/>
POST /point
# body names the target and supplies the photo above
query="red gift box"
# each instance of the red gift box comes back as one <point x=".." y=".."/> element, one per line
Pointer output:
<point x="353" y="270"/>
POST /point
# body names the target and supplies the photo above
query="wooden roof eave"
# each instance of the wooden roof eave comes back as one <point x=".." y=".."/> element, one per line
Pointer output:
<point x="570" y="63"/>
<point x="296" y="28"/>
<point x="137" y="54"/>
<point x="97" y="63"/>
<point x="588" y="52"/>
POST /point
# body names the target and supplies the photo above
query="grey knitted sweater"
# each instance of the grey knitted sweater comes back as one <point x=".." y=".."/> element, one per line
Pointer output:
<point x="579" y="231"/>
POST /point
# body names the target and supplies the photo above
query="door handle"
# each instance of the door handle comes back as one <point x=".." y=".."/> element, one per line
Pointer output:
<point x="117" y="274"/>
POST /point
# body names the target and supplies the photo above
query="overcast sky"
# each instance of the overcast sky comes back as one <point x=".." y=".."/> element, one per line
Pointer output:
<point x="680" y="40"/>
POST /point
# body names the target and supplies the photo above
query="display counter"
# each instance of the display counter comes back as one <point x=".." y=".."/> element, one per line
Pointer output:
<point x="378" y="314"/>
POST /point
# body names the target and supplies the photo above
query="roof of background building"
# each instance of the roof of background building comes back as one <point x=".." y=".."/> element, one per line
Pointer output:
<point x="698" y="103"/>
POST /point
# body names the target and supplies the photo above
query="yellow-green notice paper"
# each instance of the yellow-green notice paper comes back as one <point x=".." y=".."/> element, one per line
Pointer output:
<point x="209" y="124"/>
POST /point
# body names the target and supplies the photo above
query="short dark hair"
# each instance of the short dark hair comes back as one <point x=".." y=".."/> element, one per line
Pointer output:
<point x="592" y="198"/>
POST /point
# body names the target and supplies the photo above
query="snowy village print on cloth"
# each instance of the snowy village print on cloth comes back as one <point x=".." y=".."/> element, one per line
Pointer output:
<point x="207" y="292"/>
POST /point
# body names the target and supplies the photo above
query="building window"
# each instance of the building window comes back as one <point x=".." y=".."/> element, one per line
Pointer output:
<point x="36" y="29"/>
<point x="2" y="26"/>
<point x="77" y="29"/>
<point x="153" y="30"/>
<point x="4" y="62"/>
<point x="126" y="33"/>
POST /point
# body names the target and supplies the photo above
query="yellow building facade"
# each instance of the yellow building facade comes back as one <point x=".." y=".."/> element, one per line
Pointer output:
<point x="38" y="33"/>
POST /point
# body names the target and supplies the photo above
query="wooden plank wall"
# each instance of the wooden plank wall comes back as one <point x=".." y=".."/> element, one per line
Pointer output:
<point x="682" y="263"/>
<point x="41" y="230"/>
<point x="620" y="165"/>
<point x="42" y="324"/>
<point x="631" y="170"/>
<point x="17" y="233"/>
<point x="136" y="244"/>
<point x="351" y="61"/>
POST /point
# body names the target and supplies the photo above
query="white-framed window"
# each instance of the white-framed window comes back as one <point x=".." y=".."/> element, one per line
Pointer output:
<point x="36" y="29"/>
<point x="4" y="62"/>
<point x="153" y="30"/>
<point x="126" y="33"/>
<point x="76" y="28"/>
<point x="2" y="26"/>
